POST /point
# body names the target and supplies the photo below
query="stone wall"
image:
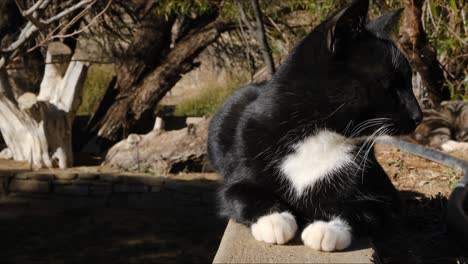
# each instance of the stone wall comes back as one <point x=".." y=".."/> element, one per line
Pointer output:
<point x="74" y="189"/>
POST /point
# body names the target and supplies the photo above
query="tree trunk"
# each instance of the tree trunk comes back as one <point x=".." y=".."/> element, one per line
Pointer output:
<point x="261" y="38"/>
<point x="37" y="129"/>
<point x="151" y="40"/>
<point x="257" y="31"/>
<point x="149" y="53"/>
<point x="133" y="104"/>
<point x="422" y="56"/>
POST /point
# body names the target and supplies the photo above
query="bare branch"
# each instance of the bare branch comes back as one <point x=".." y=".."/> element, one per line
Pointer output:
<point x="31" y="14"/>
<point x="261" y="37"/>
<point x="244" y="18"/>
<point x="93" y="21"/>
<point x="25" y="34"/>
<point x="75" y="19"/>
<point x="51" y="36"/>
<point x="31" y="10"/>
<point x="276" y="26"/>
<point x="68" y="11"/>
<point x="35" y="24"/>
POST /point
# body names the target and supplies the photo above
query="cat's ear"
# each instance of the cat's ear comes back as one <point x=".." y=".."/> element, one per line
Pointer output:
<point x="347" y="24"/>
<point x="387" y="25"/>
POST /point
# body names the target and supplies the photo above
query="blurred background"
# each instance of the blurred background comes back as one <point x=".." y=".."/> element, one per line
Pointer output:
<point x="184" y="57"/>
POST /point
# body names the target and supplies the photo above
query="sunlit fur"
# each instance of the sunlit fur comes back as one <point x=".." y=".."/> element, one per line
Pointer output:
<point x="302" y="143"/>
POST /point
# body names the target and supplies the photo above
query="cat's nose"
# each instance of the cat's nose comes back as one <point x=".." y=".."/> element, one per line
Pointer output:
<point x="417" y="117"/>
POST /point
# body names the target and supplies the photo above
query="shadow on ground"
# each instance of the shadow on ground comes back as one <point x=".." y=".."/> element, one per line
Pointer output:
<point x="172" y="233"/>
<point x="421" y="236"/>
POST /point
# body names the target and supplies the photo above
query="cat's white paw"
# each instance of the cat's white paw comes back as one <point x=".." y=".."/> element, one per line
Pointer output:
<point x="275" y="228"/>
<point x="327" y="236"/>
<point x="454" y="145"/>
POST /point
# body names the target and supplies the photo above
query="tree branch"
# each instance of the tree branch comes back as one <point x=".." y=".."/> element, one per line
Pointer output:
<point x="261" y="37"/>
<point x="243" y="16"/>
<point x="68" y="11"/>
<point x="31" y="13"/>
<point x="35" y="24"/>
<point x="25" y="34"/>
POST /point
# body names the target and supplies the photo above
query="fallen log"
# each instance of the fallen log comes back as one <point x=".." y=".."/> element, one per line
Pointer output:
<point x="162" y="152"/>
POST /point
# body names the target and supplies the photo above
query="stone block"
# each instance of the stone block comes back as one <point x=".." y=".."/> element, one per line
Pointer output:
<point x="143" y="180"/>
<point x="239" y="246"/>
<point x="6" y="173"/>
<point x="156" y="188"/>
<point x="65" y="175"/>
<point x="110" y="177"/>
<point x="130" y="188"/>
<point x="33" y="186"/>
<point x="158" y="201"/>
<point x="62" y="182"/>
<point x="22" y="175"/>
<point x="2" y="186"/>
<point x="71" y="189"/>
<point x="42" y="176"/>
<point x="100" y="190"/>
<point x="88" y="176"/>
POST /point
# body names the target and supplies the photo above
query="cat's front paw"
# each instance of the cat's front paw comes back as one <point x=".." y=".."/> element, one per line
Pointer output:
<point x="327" y="236"/>
<point x="275" y="228"/>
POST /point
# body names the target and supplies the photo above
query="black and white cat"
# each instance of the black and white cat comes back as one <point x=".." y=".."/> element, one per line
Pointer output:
<point x="292" y="150"/>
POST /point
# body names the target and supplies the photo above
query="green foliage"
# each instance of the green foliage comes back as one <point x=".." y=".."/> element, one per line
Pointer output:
<point x="183" y="7"/>
<point x="99" y="77"/>
<point x="209" y="99"/>
<point x="228" y="10"/>
<point x="445" y="24"/>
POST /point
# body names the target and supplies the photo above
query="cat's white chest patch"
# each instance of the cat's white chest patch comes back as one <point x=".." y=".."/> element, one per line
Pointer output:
<point x="315" y="158"/>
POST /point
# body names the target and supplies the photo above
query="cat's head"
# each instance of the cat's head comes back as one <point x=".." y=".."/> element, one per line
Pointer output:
<point x="352" y="70"/>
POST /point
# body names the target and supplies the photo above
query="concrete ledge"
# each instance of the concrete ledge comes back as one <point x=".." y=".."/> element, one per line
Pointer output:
<point x="238" y="246"/>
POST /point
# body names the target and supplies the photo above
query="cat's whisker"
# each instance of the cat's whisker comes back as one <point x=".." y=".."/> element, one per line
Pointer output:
<point x="370" y="121"/>
<point x="334" y="112"/>
<point x="369" y="143"/>
<point x="381" y="131"/>
<point x="367" y="124"/>
<point x="348" y="126"/>
<point x="367" y="140"/>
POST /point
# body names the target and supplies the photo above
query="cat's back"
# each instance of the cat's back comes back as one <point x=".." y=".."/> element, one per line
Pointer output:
<point x="225" y="123"/>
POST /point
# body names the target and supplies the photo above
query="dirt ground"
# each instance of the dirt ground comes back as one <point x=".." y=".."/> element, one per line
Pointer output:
<point x="411" y="173"/>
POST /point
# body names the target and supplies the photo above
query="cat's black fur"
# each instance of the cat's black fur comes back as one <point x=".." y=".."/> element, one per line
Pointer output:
<point x="344" y="72"/>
